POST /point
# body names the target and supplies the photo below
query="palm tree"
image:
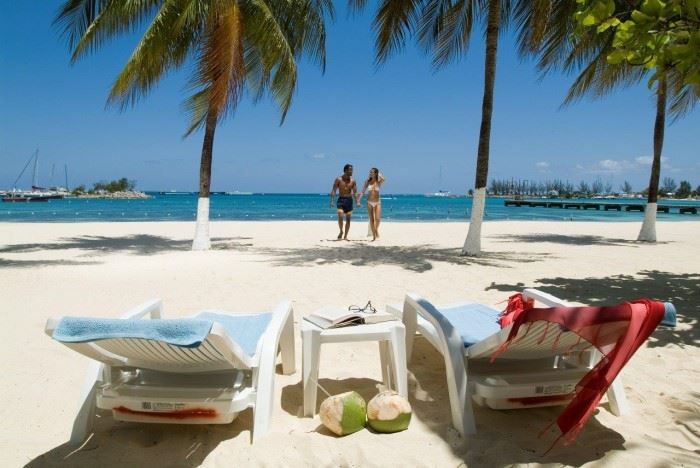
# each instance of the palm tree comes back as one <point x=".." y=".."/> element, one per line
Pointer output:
<point x="236" y="45"/>
<point x="443" y="28"/>
<point x="546" y="27"/>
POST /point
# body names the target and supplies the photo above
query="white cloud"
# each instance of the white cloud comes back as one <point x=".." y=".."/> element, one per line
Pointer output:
<point x="617" y="166"/>
<point x="647" y="160"/>
<point x="605" y="166"/>
<point x="609" y="165"/>
<point x="319" y="156"/>
<point x="543" y="166"/>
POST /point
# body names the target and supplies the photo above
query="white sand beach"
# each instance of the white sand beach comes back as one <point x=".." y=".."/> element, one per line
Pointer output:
<point x="103" y="269"/>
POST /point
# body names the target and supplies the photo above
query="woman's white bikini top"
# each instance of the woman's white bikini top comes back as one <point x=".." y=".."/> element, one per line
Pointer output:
<point x="373" y="188"/>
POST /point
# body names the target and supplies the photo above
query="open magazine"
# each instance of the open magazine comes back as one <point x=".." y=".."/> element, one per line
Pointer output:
<point x="334" y="317"/>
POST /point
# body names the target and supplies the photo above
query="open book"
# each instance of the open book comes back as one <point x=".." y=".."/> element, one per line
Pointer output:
<point x="334" y="317"/>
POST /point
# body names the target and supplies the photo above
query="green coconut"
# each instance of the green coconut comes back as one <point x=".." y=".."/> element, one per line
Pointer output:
<point x="344" y="414"/>
<point x="388" y="412"/>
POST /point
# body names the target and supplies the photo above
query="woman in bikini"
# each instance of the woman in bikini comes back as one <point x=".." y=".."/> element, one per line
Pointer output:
<point x="374" y="203"/>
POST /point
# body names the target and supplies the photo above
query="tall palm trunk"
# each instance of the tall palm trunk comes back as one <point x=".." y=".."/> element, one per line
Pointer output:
<point x="648" y="231"/>
<point x="472" y="245"/>
<point x="201" y="234"/>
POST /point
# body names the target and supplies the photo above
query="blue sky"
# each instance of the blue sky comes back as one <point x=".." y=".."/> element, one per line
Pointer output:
<point x="404" y="118"/>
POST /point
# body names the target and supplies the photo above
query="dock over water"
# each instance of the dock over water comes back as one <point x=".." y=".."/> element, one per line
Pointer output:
<point x="604" y="206"/>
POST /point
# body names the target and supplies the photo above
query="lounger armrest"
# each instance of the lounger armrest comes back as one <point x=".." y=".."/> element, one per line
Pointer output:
<point x="154" y="307"/>
<point x="544" y="298"/>
<point x="450" y="344"/>
<point x="279" y="333"/>
<point x="280" y="314"/>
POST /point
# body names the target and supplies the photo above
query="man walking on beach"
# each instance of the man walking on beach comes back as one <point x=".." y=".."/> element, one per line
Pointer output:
<point x="347" y="189"/>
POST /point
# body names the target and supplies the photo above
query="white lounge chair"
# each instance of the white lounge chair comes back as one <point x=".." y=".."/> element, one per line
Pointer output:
<point x="529" y="373"/>
<point x="153" y="371"/>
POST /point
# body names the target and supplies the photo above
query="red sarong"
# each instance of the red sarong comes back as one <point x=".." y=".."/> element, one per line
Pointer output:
<point x="616" y="331"/>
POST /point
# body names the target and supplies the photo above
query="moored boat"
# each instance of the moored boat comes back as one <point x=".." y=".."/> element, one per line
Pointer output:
<point x="37" y="194"/>
<point x="20" y="197"/>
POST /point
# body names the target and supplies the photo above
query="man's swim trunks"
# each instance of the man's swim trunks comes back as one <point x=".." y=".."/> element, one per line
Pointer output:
<point x="345" y="204"/>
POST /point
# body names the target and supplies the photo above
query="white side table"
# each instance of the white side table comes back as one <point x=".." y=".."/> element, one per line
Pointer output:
<point x="391" y="336"/>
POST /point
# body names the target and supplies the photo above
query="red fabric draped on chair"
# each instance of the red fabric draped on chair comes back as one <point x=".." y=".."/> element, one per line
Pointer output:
<point x="616" y="331"/>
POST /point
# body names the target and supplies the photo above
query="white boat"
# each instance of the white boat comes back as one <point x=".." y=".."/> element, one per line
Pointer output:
<point x="439" y="193"/>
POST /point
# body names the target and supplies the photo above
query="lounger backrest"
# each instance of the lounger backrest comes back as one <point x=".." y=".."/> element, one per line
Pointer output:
<point x="533" y="341"/>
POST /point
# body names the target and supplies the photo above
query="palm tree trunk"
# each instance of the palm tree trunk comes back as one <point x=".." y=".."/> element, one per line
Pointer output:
<point x="648" y="231"/>
<point x="201" y="234"/>
<point x="472" y="245"/>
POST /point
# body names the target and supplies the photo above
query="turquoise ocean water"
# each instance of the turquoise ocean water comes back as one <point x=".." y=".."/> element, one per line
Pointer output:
<point x="183" y="207"/>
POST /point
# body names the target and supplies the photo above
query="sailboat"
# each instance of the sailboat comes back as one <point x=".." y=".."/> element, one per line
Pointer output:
<point x="439" y="193"/>
<point x="37" y="193"/>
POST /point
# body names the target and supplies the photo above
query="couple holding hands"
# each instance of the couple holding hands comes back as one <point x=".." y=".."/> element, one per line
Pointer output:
<point x="347" y="190"/>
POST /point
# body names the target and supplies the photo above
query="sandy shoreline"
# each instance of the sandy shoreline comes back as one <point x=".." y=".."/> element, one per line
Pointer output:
<point x="54" y="269"/>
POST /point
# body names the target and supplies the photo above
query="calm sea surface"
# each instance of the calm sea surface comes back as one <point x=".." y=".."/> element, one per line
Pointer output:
<point x="300" y="207"/>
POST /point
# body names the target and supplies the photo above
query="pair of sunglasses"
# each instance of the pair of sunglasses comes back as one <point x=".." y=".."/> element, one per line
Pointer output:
<point x="368" y="308"/>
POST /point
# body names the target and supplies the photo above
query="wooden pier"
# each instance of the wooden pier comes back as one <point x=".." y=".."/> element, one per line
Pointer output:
<point x="605" y="206"/>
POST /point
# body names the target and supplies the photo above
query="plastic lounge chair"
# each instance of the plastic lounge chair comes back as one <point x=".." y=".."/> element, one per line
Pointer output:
<point x="200" y="370"/>
<point x="533" y="371"/>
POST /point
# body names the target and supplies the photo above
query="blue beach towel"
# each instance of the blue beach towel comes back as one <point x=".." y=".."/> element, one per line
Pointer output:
<point x="669" y="319"/>
<point x="474" y="322"/>
<point x="188" y="333"/>
<point x="244" y="329"/>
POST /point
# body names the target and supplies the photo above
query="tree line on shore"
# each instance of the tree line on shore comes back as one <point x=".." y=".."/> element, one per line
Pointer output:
<point x="566" y="189"/>
<point x="113" y="186"/>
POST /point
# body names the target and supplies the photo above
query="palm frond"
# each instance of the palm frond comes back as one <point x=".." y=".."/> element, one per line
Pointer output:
<point x="220" y="77"/>
<point x="531" y="21"/>
<point x="107" y="18"/>
<point x="75" y="17"/>
<point x="357" y="5"/>
<point x="274" y="43"/>
<point x="235" y="45"/>
<point x="684" y="97"/>
<point x="168" y="41"/>
<point x="445" y="29"/>
<point x="394" y="22"/>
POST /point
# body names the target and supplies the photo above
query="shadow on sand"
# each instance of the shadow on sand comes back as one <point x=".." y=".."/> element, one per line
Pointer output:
<point x="10" y="263"/>
<point x="417" y="258"/>
<point x="293" y="395"/>
<point x="682" y="290"/>
<point x="137" y="244"/>
<point x="117" y="443"/>
<point x="498" y="431"/>
<point x="582" y="239"/>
